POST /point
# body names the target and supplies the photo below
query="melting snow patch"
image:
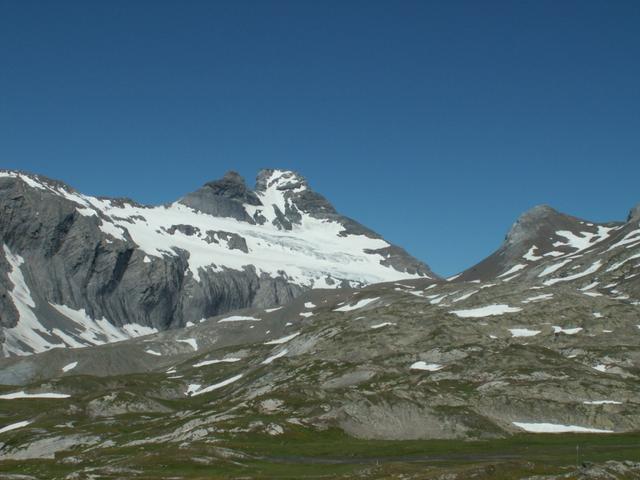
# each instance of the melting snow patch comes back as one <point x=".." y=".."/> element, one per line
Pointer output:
<point x="239" y="318"/>
<point x="556" y="428"/>
<point x="359" y="304"/>
<point x="309" y="305"/>
<point x="210" y="388"/>
<point x="70" y="366"/>
<point x="429" y="367"/>
<point x="269" y="310"/>
<point x="273" y="357"/>
<point x="514" y="269"/>
<point x="489" y="310"/>
<point x="600" y="367"/>
<point x="523" y="332"/>
<point x="593" y="268"/>
<point x="465" y="296"/>
<point x="190" y="341"/>
<point x="306" y="314"/>
<point x="567" y="331"/>
<point x="221" y="360"/>
<point x="530" y="255"/>
<point x="544" y="296"/>
<point x="153" y="352"/>
<point x="22" y="394"/>
<point x="380" y="325"/>
<point x="13" y="426"/>
<point x="283" y="339"/>
<point x="552" y="268"/>
<point x="602" y="402"/>
<point x="193" y="388"/>
<point x="592" y="294"/>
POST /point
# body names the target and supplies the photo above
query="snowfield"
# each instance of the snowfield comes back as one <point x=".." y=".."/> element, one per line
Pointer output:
<point x="489" y="310"/>
<point x="557" y="428"/>
<point x="359" y="304"/>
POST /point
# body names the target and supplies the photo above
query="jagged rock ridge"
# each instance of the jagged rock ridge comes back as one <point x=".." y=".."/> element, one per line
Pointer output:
<point x="77" y="270"/>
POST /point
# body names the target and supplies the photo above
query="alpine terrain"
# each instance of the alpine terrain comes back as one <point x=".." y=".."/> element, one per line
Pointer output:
<point x="242" y="333"/>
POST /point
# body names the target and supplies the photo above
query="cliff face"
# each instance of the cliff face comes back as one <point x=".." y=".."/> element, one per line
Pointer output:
<point x="77" y="270"/>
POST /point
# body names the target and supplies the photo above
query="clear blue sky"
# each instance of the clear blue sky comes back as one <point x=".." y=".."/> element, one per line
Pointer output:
<point x="434" y="123"/>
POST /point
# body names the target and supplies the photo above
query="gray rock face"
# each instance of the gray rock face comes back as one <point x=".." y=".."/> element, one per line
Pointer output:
<point x="80" y="260"/>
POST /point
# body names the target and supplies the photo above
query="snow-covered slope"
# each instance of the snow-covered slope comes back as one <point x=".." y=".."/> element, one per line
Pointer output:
<point x="107" y="264"/>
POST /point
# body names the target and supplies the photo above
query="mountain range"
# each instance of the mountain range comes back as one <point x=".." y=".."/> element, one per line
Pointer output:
<point x="234" y="319"/>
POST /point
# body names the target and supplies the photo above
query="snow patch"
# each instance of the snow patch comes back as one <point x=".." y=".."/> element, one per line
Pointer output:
<point x="13" y="426"/>
<point x="274" y="357"/>
<point x="556" y="428"/>
<point x="212" y="362"/>
<point x="70" y="366"/>
<point x="487" y="311"/>
<point x="23" y="394"/>
<point x="429" y="367"/>
<point x="190" y="341"/>
<point x="198" y="391"/>
<point x="239" y="318"/>
<point x="523" y="332"/>
<point x="283" y="339"/>
<point x="359" y="304"/>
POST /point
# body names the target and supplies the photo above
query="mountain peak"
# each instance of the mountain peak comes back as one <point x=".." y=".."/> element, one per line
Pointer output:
<point x="280" y="180"/>
<point x="634" y="213"/>
<point x="531" y="221"/>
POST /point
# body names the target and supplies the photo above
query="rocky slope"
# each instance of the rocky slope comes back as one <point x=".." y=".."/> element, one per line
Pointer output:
<point x="77" y="270"/>
<point x="551" y="346"/>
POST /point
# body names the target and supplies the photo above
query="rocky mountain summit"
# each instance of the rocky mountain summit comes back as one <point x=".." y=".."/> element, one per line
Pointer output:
<point x="77" y="270"/>
<point x="541" y="337"/>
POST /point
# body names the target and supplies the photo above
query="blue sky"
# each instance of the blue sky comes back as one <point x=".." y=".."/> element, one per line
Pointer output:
<point x="434" y="123"/>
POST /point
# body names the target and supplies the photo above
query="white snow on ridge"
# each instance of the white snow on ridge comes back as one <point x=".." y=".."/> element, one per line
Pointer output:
<point x="13" y="426"/>
<point x="465" y="296"/>
<point x="552" y="268"/>
<point x="622" y="262"/>
<point x="28" y="326"/>
<point x="544" y="296"/>
<point x="428" y="367"/>
<point x="37" y="338"/>
<point x="523" y="332"/>
<point x="212" y="362"/>
<point x="566" y="331"/>
<point x="198" y="391"/>
<point x="586" y="240"/>
<point x="239" y="318"/>
<point x="69" y="367"/>
<point x="487" y="311"/>
<point x="274" y="357"/>
<point x="23" y="394"/>
<point x="514" y="269"/>
<point x="190" y="341"/>
<point x="593" y="268"/>
<point x="602" y="402"/>
<point x="278" y="341"/>
<point x="556" y="428"/>
<point x="531" y="256"/>
<point x="359" y="304"/>
<point x="381" y="325"/>
<point x="311" y="252"/>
